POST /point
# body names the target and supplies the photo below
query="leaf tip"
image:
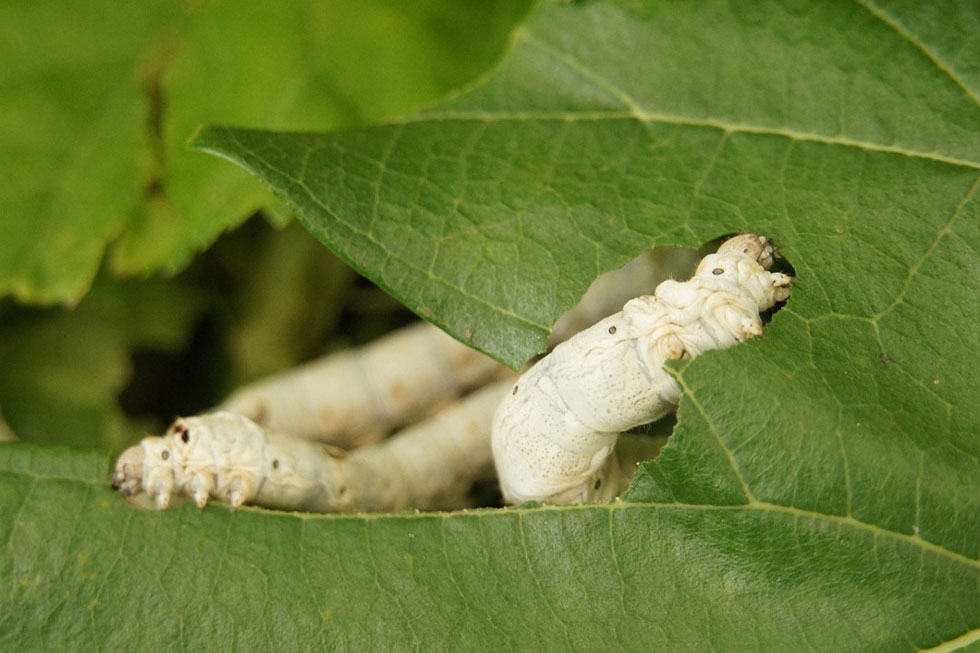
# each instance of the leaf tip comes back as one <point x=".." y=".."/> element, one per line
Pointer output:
<point x="202" y="139"/>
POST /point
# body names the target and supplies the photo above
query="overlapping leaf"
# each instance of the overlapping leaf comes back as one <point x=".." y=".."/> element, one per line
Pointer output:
<point x="73" y="143"/>
<point x="822" y="487"/>
<point x="494" y="212"/>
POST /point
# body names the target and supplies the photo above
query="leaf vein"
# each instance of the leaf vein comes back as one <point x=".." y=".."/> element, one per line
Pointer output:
<point x="376" y="243"/>
<point x="534" y="576"/>
<point x="681" y="121"/>
<point x="927" y="254"/>
<point x="936" y="60"/>
<point x="615" y="560"/>
<point x="584" y="72"/>
<point x="714" y="431"/>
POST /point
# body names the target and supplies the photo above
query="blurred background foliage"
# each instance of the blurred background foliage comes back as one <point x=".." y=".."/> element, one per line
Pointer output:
<point x="123" y="305"/>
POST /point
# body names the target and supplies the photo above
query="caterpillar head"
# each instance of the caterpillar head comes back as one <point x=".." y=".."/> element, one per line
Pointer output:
<point x="743" y="272"/>
<point x="148" y="468"/>
<point x="127" y="478"/>
<point x="756" y="247"/>
<point x="744" y="260"/>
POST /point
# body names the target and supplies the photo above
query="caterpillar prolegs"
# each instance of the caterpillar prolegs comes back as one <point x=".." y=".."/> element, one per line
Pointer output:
<point x="221" y="455"/>
<point x="554" y="432"/>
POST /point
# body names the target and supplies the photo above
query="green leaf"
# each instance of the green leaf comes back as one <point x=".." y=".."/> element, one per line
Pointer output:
<point x="84" y="570"/>
<point x="73" y="144"/>
<point x="320" y="66"/>
<point x="493" y="213"/>
<point x="97" y="102"/>
<point x="850" y="134"/>
<point x="821" y="489"/>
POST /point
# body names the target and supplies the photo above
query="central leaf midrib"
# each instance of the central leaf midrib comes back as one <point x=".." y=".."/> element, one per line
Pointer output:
<point x="635" y="111"/>
<point x="672" y="120"/>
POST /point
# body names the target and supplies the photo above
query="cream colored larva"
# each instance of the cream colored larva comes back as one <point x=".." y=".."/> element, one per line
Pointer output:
<point x="225" y="456"/>
<point x="554" y="434"/>
<point x="554" y="430"/>
<point x="358" y="396"/>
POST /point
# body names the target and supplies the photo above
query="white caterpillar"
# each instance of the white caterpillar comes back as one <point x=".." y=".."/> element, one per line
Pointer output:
<point x="552" y="435"/>
<point x="354" y="398"/>
<point x="357" y="397"/>
<point x="229" y="457"/>
<point x="554" y="432"/>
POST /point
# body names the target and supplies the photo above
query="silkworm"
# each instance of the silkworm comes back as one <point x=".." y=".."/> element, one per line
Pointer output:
<point x="229" y="457"/>
<point x="356" y="397"/>
<point x="554" y="433"/>
<point x="611" y="290"/>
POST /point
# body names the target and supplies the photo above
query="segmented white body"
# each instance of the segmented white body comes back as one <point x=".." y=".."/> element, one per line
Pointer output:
<point x="612" y="289"/>
<point x="229" y="457"/>
<point x="554" y="432"/>
<point x="356" y="397"/>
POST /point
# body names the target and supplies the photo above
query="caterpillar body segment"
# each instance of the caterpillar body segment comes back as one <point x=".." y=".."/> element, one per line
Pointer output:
<point x="611" y="290"/>
<point x="359" y="396"/>
<point x="356" y="397"/>
<point x="554" y="433"/>
<point x="229" y="457"/>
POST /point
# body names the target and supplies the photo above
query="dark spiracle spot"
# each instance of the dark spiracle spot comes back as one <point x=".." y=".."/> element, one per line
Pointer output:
<point x="515" y="390"/>
<point x="598" y="483"/>
<point x="717" y="271"/>
<point x="275" y="464"/>
<point x="612" y="330"/>
<point x="165" y="455"/>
